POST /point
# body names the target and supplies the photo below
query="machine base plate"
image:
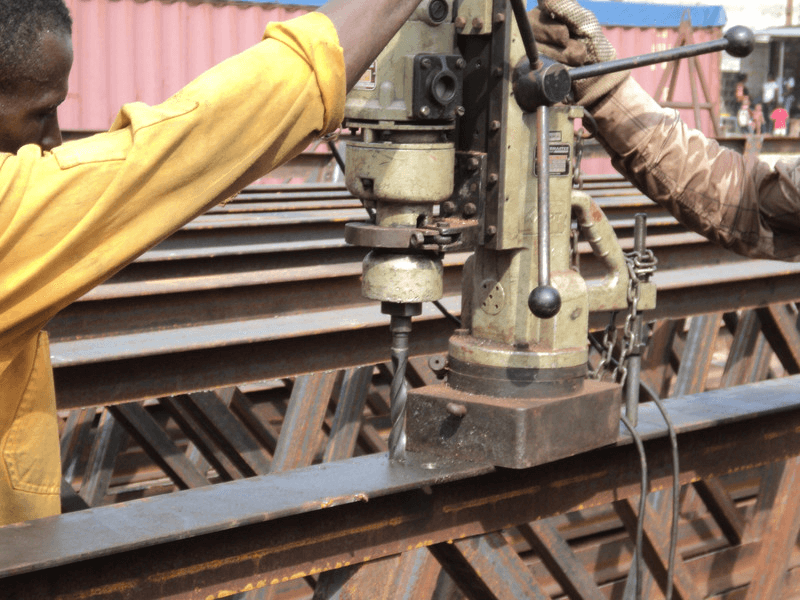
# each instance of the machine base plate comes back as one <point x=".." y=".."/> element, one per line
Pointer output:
<point x="512" y="432"/>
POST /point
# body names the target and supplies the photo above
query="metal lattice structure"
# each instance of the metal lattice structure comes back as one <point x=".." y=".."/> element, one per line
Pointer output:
<point x="285" y="487"/>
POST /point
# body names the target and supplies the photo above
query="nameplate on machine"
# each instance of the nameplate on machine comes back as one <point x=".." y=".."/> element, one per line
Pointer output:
<point x="559" y="160"/>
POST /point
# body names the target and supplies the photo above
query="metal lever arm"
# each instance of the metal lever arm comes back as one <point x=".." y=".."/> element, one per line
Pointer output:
<point x="525" y="31"/>
<point x="544" y="301"/>
<point x="549" y="83"/>
<point x="738" y="41"/>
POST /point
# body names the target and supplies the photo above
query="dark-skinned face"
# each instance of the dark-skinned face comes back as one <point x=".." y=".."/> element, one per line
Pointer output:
<point x="28" y="114"/>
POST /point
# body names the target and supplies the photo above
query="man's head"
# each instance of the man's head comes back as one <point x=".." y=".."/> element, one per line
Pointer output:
<point x="35" y="60"/>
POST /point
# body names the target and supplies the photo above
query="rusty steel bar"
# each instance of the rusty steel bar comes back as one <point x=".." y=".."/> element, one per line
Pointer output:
<point x="783" y="335"/>
<point x="99" y="371"/>
<point x="696" y="360"/>
<point x="487" y="567"/>
<point x="349" y="409"/>
<point x="779" y="537"/>
<point x="561" y="561"/>
<point x="180" y="297"/>
<point x="303" y="421"/>
<point x="292" y="524"/>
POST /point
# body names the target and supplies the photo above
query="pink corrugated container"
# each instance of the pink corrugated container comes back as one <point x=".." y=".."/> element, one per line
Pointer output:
<point x="635" y="41"/>
<point x="145" y="51"/>
<point x="129" y="50"/>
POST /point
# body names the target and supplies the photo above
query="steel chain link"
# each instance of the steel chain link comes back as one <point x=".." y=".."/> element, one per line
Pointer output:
<point x="608" y="343"/>
<point x="641" y="265"/>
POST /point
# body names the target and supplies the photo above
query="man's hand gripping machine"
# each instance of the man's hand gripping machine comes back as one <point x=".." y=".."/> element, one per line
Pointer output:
<point x="466" y="144"/>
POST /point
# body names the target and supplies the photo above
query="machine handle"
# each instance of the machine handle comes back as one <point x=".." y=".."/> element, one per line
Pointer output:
<point x="548" y="82"/>
<point x="525" y="31"/>
<point x="738" y="41"/>
<point x="545" y="300"/>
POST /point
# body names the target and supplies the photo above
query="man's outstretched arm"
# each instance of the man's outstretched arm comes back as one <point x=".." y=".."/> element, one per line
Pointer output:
<point x="364" y="28"/>
<point x="748" y="207"/>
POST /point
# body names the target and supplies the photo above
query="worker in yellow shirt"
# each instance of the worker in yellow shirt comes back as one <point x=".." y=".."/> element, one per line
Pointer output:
<point x="71" y="215"/>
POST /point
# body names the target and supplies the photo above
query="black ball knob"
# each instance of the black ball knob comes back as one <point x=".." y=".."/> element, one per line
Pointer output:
<point x="741" y="41"/>
<point x="544" y="302"/>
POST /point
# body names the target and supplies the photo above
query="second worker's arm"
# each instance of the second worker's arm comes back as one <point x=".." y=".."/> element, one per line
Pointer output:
<point x="748" y="207"/>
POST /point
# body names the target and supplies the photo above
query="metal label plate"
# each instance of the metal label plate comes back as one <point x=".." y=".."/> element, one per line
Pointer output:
<point x="560" y="156"/>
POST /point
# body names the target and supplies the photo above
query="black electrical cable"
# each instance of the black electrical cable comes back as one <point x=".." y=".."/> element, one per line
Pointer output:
<point x="673" y="534"/>
<point x="525" y="31"/>
<point x="589" y="123"/>
<point x="637" y="566"/>
<point x="340" y="161"/>
<point x="598" y="345"/>
<point x="447" y="313"/>
<point x="336" y="154"/>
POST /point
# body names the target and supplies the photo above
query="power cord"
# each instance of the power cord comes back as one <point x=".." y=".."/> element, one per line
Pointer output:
<point x="673" y="535"/>
<point x="340" y="161"/>
<point x="447" y="313"/>
<point x="337" y="156"/>
<point x="637" y="565"/>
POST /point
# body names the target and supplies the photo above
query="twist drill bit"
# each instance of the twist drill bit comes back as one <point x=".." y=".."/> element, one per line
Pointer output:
<point x="401" y="328"/>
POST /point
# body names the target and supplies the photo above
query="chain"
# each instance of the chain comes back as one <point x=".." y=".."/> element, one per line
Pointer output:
<point x="641" y="265"/>
<point x="608" y="343"/>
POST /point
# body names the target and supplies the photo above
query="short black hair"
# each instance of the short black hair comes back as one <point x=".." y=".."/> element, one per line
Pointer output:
<point x="21" y="23"/>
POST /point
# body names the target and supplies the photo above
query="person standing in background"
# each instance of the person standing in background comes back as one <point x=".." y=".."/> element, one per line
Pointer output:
<point x="741" y="89"/>
<point x="779" y="117"/>
<point x="758" y="119"/>
<point x="744" y="118"/>
<point x="769" y="92"/>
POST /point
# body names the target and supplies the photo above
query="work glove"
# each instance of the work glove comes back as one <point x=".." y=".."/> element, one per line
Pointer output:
<point x="571" y="35"/>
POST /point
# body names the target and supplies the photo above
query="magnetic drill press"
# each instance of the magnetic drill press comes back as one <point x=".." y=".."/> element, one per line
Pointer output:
<point x="466" y="144"/>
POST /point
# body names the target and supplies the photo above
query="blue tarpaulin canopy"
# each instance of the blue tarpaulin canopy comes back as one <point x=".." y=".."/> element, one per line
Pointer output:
<point x="624" y="14"/>
<point x="641" y="14"/>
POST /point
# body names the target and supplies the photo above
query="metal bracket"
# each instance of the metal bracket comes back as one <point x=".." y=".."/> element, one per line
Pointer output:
<point x="447" y="235"/>
<point x="438" y="86"/>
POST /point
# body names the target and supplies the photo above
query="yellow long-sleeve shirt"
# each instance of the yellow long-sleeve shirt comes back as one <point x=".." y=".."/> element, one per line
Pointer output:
<point x="72" y="217"/>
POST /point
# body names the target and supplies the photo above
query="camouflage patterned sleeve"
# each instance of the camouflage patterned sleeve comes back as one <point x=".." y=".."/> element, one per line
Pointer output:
<point x="746" y="206"/>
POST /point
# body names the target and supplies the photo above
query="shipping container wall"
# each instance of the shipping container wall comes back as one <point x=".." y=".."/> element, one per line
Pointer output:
<point x="128" y="51"/>
<point x="634" y="41"/>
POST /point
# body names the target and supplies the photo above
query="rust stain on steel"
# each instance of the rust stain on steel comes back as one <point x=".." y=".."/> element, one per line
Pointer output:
<point x="494" y="499"/>
<point x="581" y="479"/>
<point x="257" y="555"/>
<point x="104" y="590"/>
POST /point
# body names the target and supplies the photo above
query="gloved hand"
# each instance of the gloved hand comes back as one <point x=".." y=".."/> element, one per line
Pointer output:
<point x="571" y="35"/>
